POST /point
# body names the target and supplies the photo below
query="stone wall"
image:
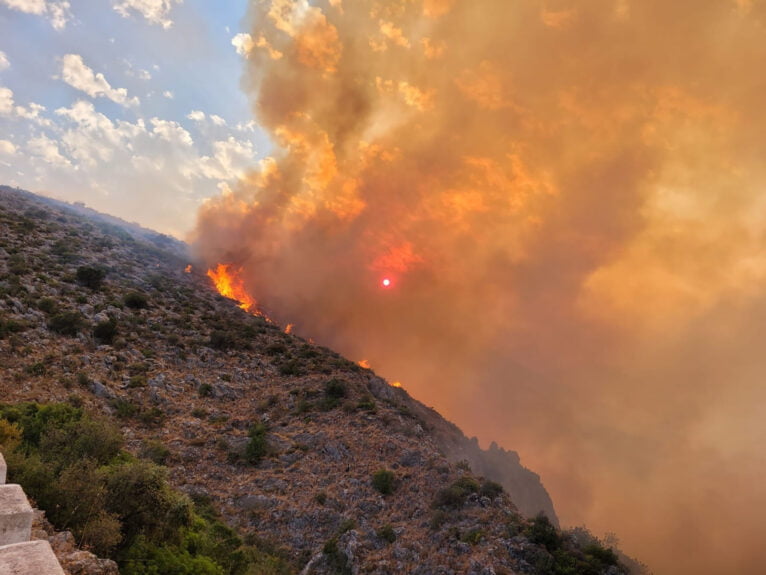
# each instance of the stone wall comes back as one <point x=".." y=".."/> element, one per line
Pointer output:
<point x="18" y="554"/>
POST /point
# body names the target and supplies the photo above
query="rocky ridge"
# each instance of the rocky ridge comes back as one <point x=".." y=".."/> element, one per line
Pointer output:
<point x="188" y="376"/>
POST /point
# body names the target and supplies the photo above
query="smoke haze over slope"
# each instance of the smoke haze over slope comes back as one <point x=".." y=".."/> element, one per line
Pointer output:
<point x="568" y="200"/>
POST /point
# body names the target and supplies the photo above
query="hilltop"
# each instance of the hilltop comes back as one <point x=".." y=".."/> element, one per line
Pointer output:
<point x="323" y="462"/>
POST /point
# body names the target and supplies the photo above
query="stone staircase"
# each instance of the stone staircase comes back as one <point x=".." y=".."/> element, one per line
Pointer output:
<point x="19" y="555"/>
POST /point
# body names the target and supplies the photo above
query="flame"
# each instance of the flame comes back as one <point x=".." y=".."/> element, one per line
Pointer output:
<point x="396" y="384"/>
<point x="289" y="328"/>
<point x="363" y="363"/>
<point x="188" y="269"/>
<point x="229" y="284"/>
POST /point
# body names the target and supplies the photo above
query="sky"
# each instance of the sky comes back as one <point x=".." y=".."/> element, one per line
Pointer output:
<point x="566" y="198"/>
<point x="130" y="106"/>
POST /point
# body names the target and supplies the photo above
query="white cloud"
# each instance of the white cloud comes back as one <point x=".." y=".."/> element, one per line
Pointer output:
<point x="230" y="159"/>
<point x="6" y="101"/>
<point x="171" y="132"/>
<point x="200" y="117"/>
<point x="32" y="112"/>
<point x="139" y="73"/>
<point x="75" y="73"/>
<point x="47" y="149"/>
<point x="155" y="11"/>
<point x="4" y="63"/>
<point x="243" y="43"/>
<point x="196" y="115"/>
<point x="7" y="148"/>
<point x="57" y="12"/>
<point x="168" y="94"/>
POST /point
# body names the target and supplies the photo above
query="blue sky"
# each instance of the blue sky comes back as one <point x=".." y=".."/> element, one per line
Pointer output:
<point x="131" y="106"/>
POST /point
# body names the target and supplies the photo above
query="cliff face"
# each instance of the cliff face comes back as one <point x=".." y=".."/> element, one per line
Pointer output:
<point x="292" y="443"/>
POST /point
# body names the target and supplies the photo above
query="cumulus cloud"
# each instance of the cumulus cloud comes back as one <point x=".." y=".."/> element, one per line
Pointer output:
<point x="7" y="148"/>
<point x="197" y="115"/>
<point x="48" y="150"/>
<point x="4" y="63"/>
<point x="6" y="101"/>
<point x="568" y="197"/>
<point x="77" y="74"/>
<point x="155" y="11"/>
<point x="144" y="169"/>
<point x="57" y="12"/>
<point x="243" y="43"/>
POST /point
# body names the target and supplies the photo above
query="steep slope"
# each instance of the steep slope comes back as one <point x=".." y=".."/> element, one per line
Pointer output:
<point x="293" y="443"/>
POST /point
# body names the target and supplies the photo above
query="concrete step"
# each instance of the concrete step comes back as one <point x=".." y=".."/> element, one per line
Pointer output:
<point x="15" y="515"/>
<point x="30" y="558"/>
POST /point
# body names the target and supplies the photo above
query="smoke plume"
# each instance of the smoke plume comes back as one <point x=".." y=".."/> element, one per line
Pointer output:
<point x="567" y="198"/>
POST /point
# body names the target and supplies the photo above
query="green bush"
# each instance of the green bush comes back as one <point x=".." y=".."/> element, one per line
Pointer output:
<point x="90" y="276"/>
<point x="541" y="531"/>
<point x="67" y="323"/>
<point x="257" y="447"/>
<point x="48" y="305"/>
<point x="490" y="489"/>
<point x="384" y="481"/>
<point x="105" y="331"/>
<point x="386" y="533"/>
<point x="454" y="496"/>
<point x="334" y="391"/>
<point x="135" y="300"/>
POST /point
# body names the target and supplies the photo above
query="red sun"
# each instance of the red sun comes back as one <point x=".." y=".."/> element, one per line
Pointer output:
<point x="386" y="282"/>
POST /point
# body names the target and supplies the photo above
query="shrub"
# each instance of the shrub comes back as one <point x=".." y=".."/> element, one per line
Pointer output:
<point x="541" y="531"/>
<point x="473" y="536"/>
<point x="205" y="390"/>
<point x="135" y="300"/>
<point x="155" y="451"/>
<point x="105" y="331"/>
<point x="47" y="305"/>
<point x="386" y="533"/>
<point x="222" y="340"/>
<point x="137" y="381"/>
<point x="455" y="495"/>
<point x="67" y="323"/>
<point x="334" y="391"/>
<point x="490" y="489"/>
<point x="257" y="447"/>
<point x="384" y="481"/>
<point x="90" y="277"/>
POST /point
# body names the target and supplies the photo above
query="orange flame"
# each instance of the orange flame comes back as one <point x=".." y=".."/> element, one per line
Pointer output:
<point x="363" y="363"/>
<point x="188" y="269"/>
<point x="396" y="384"/>
<point x="289" y="328"/>
<point x="229" y="284"/>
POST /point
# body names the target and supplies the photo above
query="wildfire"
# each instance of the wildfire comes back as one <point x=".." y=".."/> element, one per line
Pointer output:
<point x="188" y="269"/>
<point x="289" y="328"/>
<point x="396" y="384"/>
<point x="229" y="284"/>
<point x="364" y="364"/>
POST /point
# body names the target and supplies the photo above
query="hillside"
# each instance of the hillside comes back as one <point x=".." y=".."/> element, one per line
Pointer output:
<point x="292" y="444"/>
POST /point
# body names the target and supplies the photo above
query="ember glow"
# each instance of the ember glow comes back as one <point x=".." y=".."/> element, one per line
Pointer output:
<point x="573" y="194"/>
<point x="229" y="283"/>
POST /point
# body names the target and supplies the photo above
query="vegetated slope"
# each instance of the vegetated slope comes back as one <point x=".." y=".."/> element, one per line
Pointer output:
<point x="292" y="443"/>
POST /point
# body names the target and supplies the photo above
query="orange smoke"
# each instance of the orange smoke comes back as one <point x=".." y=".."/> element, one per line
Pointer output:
<point x="567" y="198"/>
<point x="228" y="282"/>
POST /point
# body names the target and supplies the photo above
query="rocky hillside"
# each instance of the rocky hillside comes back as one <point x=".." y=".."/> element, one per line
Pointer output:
<point x="294" y="445"/>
